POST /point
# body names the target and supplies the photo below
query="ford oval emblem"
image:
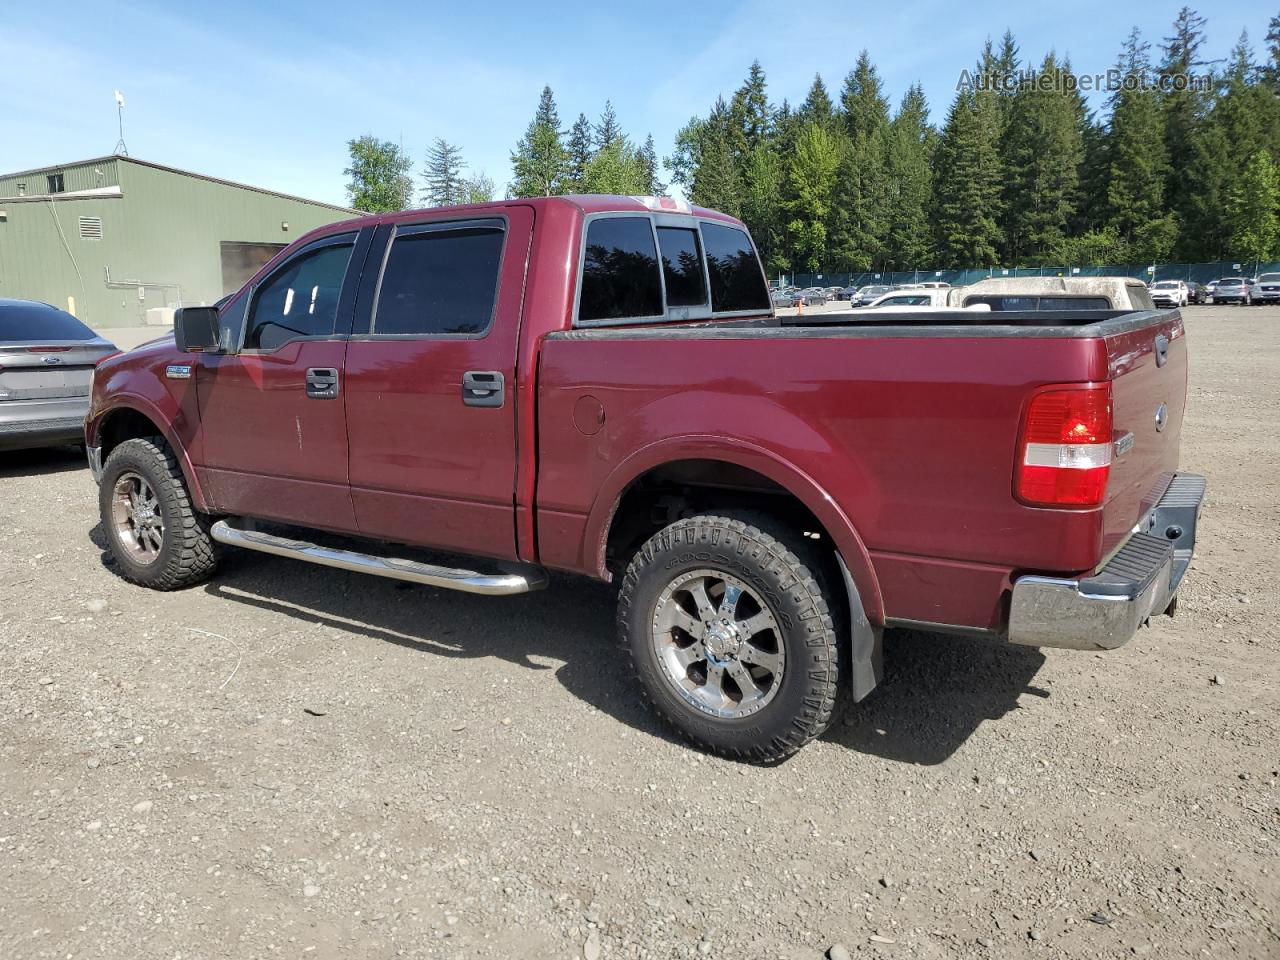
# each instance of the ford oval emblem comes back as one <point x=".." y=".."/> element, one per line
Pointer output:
<point x="1162" y="414"/>
<point x="50" y="360"/>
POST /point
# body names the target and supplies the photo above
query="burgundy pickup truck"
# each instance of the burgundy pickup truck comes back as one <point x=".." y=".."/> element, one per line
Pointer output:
<point x="600" y="385"/>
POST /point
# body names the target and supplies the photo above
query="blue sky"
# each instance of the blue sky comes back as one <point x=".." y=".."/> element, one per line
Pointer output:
<point x="269" y="94"/>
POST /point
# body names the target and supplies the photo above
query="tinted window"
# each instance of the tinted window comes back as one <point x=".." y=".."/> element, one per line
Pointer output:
<point x="440" y="282"/>
<point x="1075" y="303"/>
<point x="24" y="320"/>
<point x="907" y="300"/>
<point x="620" y="271"/>
<point x="682" y="267"/>
<point x="736" y="280"/>
<point x="1268" y="277"/>
<point x="997" y="302"/>
<point x="298" y="300"/>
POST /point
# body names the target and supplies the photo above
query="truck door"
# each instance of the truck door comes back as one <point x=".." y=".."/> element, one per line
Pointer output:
<point x="271" y="410"/>
<point x="430" y="382"/>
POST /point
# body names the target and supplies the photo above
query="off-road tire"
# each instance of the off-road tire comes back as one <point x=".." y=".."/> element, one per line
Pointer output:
<point x="188" y="554"/>
<point x="770" y="562"/>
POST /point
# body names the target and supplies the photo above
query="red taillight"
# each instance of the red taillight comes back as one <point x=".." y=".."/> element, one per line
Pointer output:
<point x="48" y="349"/>
<point x="1064" y="456"/>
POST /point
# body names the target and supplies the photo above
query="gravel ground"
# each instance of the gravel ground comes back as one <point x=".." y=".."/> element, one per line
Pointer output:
<point x="298" y="762"/>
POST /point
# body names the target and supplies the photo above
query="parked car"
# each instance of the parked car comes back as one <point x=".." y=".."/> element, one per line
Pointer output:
<point x="1208" y="290"/>
<point x="1233" y="290"/>
<point x="909" y="298"/>
<point x="1195" y="292"/>
<point x="780" y="298"/>
<point x="517" y="383"/>
<point x="849" y="293"/>
<point x="1266" y="288"/>
<point x="1170" y="293"/>
<point x="809" y="296"/>
<point x="869" y="293"/>
<point x="1055" y="293"/>
<point x="47" y="358"/>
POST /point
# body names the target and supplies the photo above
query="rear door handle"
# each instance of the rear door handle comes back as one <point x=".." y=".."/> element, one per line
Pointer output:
<point x="484" y="388"/>
<point x="322" y="383"/>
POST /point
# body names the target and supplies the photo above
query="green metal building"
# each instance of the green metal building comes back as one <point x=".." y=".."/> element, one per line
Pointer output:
<point x="121" y="242"/>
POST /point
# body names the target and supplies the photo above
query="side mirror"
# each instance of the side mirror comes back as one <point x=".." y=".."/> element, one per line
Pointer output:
<point x="195" y="329"/>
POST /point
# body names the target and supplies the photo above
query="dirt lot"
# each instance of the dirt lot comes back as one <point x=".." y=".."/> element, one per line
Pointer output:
<point x="297" y="762"/>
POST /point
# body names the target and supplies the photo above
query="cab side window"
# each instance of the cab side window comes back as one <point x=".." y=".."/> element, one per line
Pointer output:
<point x="440" y="281"/>
<point x="300" y="299"/>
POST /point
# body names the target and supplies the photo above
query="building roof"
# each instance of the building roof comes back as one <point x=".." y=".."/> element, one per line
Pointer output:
<point x="118" y="158"/>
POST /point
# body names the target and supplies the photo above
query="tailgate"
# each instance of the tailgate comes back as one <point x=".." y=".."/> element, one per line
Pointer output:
<point x="1148" y="371"/>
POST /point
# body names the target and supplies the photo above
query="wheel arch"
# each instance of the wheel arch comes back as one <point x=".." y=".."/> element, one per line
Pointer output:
<point x="135" y="418"/>
<point x="746" y="470"/>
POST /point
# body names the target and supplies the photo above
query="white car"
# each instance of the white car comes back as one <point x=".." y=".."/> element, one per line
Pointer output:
<point x="1170" y="293"/>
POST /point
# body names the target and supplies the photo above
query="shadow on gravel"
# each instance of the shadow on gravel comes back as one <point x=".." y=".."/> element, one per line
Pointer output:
<point x="936" y="692"/>
<point x="570" y="621"/>
<point x="42" y="462"/>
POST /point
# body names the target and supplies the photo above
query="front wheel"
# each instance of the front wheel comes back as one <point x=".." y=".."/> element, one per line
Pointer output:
<point x="731" y="636"/>
<point x="156" y="535"/>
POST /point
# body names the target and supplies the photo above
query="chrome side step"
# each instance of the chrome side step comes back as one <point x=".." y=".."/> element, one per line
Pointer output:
<point x="517" y="579"/>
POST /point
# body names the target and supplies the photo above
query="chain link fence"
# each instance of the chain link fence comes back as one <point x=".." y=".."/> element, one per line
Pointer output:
<point x="1192" y="272"/>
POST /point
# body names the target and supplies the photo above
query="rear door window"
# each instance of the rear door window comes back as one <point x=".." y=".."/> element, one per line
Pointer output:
<point x="737" y="283"/>
<point x="440" y="280"/>
<point x="620" y="271"/>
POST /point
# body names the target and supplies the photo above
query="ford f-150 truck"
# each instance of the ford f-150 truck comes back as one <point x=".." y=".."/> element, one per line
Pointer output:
<point x="600" y="385"/>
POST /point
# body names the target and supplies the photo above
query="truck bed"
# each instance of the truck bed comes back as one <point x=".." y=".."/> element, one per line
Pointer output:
<point x="910" y="425"/>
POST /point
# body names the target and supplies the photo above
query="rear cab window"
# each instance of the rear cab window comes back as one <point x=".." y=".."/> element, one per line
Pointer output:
<point x="639" y="268"/>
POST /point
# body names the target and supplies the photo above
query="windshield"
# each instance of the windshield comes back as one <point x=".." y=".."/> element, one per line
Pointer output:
<point x="1269" y="278"/>
<point x="1166" y="285"/>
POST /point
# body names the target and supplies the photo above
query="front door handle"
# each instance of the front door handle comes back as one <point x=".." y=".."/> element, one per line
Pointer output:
<point x="484" y="388"/>
<point x="322" y="383"/>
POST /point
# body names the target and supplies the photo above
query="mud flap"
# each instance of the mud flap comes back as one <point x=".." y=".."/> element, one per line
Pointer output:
<point x="866" y="658"/>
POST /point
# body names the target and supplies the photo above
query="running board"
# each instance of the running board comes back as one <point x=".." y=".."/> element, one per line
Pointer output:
<point x="521" y="579"/>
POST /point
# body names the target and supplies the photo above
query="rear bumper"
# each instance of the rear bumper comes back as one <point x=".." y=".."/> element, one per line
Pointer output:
<point x="42" y="423"/>
<point x="1103" y="611"/>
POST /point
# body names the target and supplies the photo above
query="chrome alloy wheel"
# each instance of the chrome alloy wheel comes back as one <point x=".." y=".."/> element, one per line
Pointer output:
<point x="718" y="644"/>
<point x="135" y="513"/>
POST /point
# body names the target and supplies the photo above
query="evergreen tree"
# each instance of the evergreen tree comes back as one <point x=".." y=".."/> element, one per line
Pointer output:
<point x="618" y="169"/>
<point x="812" y="178"/>
<point x="762" y="209"/>
<point x="715" y="181"/>
<point x="756" y="116"/>
<point x="608" y="131"/>
<point x="1184" y="113"/>
<point x="539" y="162"/>
<point x="1043" y="150"/>
<point x="1139" y="162"/>
<point x="442" y="180"/>
<point x="967" y="176"/>
<point x="687" y="155"/>
<point x="858" y="225"/>
<point x="580" y="152"/>
<point x="1271" y="69"/>
<point x="817" y="106"/>
<point x="1253" y="211"/>
<point x="909" y="176"/>
<point x="648" y="159"/>
<point x="380" y="175"/>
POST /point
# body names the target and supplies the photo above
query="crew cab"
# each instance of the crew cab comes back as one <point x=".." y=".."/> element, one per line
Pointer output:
<point x="600" y="385"/>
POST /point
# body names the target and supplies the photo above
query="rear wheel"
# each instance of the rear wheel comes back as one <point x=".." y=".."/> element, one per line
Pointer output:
<point x="731" y="636"/>
<point x="157" y="537"/>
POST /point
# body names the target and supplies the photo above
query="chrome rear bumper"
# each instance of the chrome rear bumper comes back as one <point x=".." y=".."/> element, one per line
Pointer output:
<point x="1103" y="611"/>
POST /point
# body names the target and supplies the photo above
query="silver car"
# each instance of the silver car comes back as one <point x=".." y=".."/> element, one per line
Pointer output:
<point x="1266" y="289"/>
<point x="47" y="358"/>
